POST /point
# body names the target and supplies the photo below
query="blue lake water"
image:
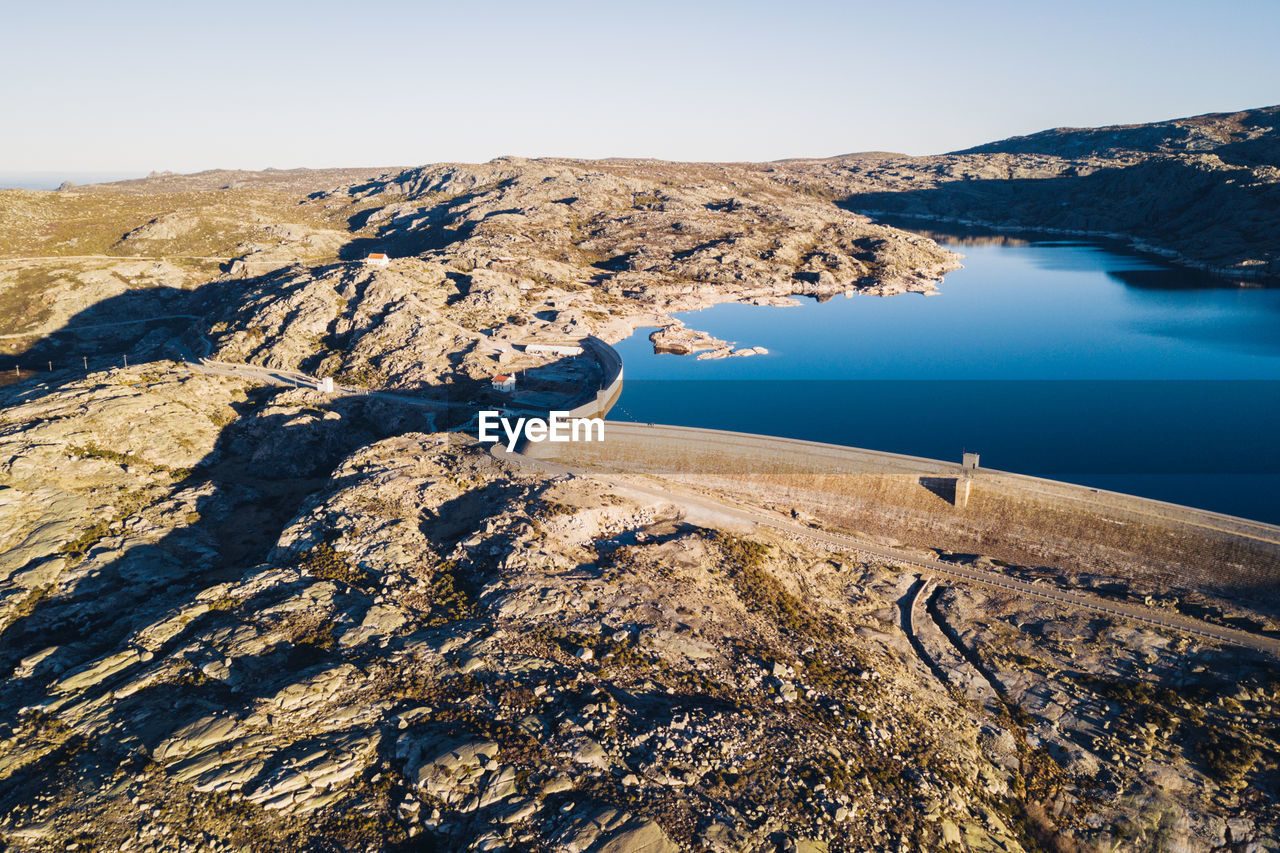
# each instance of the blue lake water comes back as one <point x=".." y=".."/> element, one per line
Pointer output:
<point x="1073" y="360"/>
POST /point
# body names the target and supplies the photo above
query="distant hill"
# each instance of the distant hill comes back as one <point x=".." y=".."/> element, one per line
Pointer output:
<point x="1203" y="191"/>
<point x="1247" y="137"/>
<point x="856" y="155"/>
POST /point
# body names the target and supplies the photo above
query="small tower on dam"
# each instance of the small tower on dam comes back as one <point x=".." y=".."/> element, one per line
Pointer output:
<point x="964" y="483"/>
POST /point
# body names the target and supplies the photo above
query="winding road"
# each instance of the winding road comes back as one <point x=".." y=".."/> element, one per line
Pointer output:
<point x="53" y="258"/>
<point x="91" y="326"/>
<point x="297" y="379"/>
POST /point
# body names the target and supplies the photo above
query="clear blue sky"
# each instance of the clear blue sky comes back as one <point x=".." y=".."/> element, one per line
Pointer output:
<point x="136" y="85"/>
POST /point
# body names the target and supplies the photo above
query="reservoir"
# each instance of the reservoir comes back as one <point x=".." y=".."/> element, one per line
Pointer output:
<point x="1068" y="359"/>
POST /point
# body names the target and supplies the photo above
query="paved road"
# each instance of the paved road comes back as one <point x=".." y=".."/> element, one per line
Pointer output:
<point x="73" y="329"/>
<point x="756" y="516"/>
<point x="124" y="258"/>
<point x="294" y="378"/>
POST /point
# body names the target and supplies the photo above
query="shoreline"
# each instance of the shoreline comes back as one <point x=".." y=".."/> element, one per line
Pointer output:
<point x="1135" y="244"/>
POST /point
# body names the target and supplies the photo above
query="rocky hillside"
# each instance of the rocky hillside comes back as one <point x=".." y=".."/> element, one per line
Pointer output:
<point x="1202" y="191"/>
<point x="239" y="616"/>
<point x="1244" y="138"/>
<point x="482" y="255"/>
<point x="485" y="256"/>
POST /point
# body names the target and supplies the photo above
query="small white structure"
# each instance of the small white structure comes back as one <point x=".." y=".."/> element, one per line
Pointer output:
<point x="325" y="385"/>
<point x="970" y="461"/>
<point x="377" y="259"/>
<point x="554" y="349"/>
<point x="503" y="382"/>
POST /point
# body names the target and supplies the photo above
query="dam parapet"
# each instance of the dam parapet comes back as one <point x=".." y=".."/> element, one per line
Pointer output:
<point x="957" y="507"/>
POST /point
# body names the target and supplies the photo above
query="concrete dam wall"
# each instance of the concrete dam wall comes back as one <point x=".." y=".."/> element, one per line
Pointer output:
<point x="931" y="503"/>
<point x="598" y="402"/>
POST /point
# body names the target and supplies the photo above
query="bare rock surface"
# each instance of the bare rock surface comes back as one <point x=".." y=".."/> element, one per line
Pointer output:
<point x="1196" y="190"/>
<point x="559" y="667"/>
<point x="596" y="248"/>
<point x="242" y="616"/>
<point x="432" y="671"/>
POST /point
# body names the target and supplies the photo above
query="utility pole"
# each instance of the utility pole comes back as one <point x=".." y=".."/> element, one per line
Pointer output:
<point x="86" y="361"/>
<point x="51" y="367"/>
<point x="126" y="361"/>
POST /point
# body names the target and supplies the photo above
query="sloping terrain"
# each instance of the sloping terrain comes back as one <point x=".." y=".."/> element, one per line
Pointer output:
<point x="280" y="630"/>
<point x="500" y="251"/>
<point x="244" y="617"/>
<point x="1202" y="191"/>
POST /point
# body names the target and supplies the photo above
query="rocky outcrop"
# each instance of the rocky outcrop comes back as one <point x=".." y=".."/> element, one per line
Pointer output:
<point x="676" y="339"/>
<point x="456" y="650"/>
<point x="474" y="657"/>
<point x="519" y="248"/>
<point x="234" y="616"/>
<point x="1198" y="191"/>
